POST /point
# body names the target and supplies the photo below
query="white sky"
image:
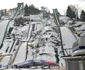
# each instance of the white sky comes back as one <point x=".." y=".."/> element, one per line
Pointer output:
<point x="60" y="4"/>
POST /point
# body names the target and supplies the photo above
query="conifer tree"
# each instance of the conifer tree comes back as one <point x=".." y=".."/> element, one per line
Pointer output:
<point x="70" y="13"/>
<point x="82" y="16"/>
<point x="26" y="10"/>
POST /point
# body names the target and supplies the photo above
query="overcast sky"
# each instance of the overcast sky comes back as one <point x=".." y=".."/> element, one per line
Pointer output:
<point x="60" y="4"/>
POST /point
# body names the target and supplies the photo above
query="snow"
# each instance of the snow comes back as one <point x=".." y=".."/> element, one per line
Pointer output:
<point x="43" y="29"/>
<point x="47" y="58"/>
<point x="10" y="45"/>
<point x="36" y="17"/>
<point x="5" y="60"/>
<point x="64" y="19"/>
<point x="4" y="47"/>
<point x="49" y="51"/>
<point x="21" y="54"/>
<point x="68" y="40"/>
<point x="3" y="25"/>
<point x="29" y="56"/>
<point x="14" y="46"/>
<point x="67" y="37"/>
<point x="82" y="27"/>
<point x="29" y="32"/>
<point x="78" y="23"/>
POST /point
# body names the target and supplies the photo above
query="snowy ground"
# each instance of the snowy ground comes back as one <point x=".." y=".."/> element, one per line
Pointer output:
<point x="37" y="40"/>
<point x="78" y="26"/>
<point x="68" y="37"/>
<point x="40" y="33"/>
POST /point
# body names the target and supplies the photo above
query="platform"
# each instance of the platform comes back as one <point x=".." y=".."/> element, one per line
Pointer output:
<point x="75" y="62"/>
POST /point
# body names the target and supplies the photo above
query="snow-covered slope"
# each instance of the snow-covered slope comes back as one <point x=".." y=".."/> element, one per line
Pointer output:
<point x="68" y="37"/>
<point x="36" y="40"/>
<point x="3" y="25"/>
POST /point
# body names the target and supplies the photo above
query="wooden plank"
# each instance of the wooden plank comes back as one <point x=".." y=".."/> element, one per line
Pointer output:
<point x="62" y="68"/>
<point x="54" y="67"/>
<point x="57" y="68"/>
